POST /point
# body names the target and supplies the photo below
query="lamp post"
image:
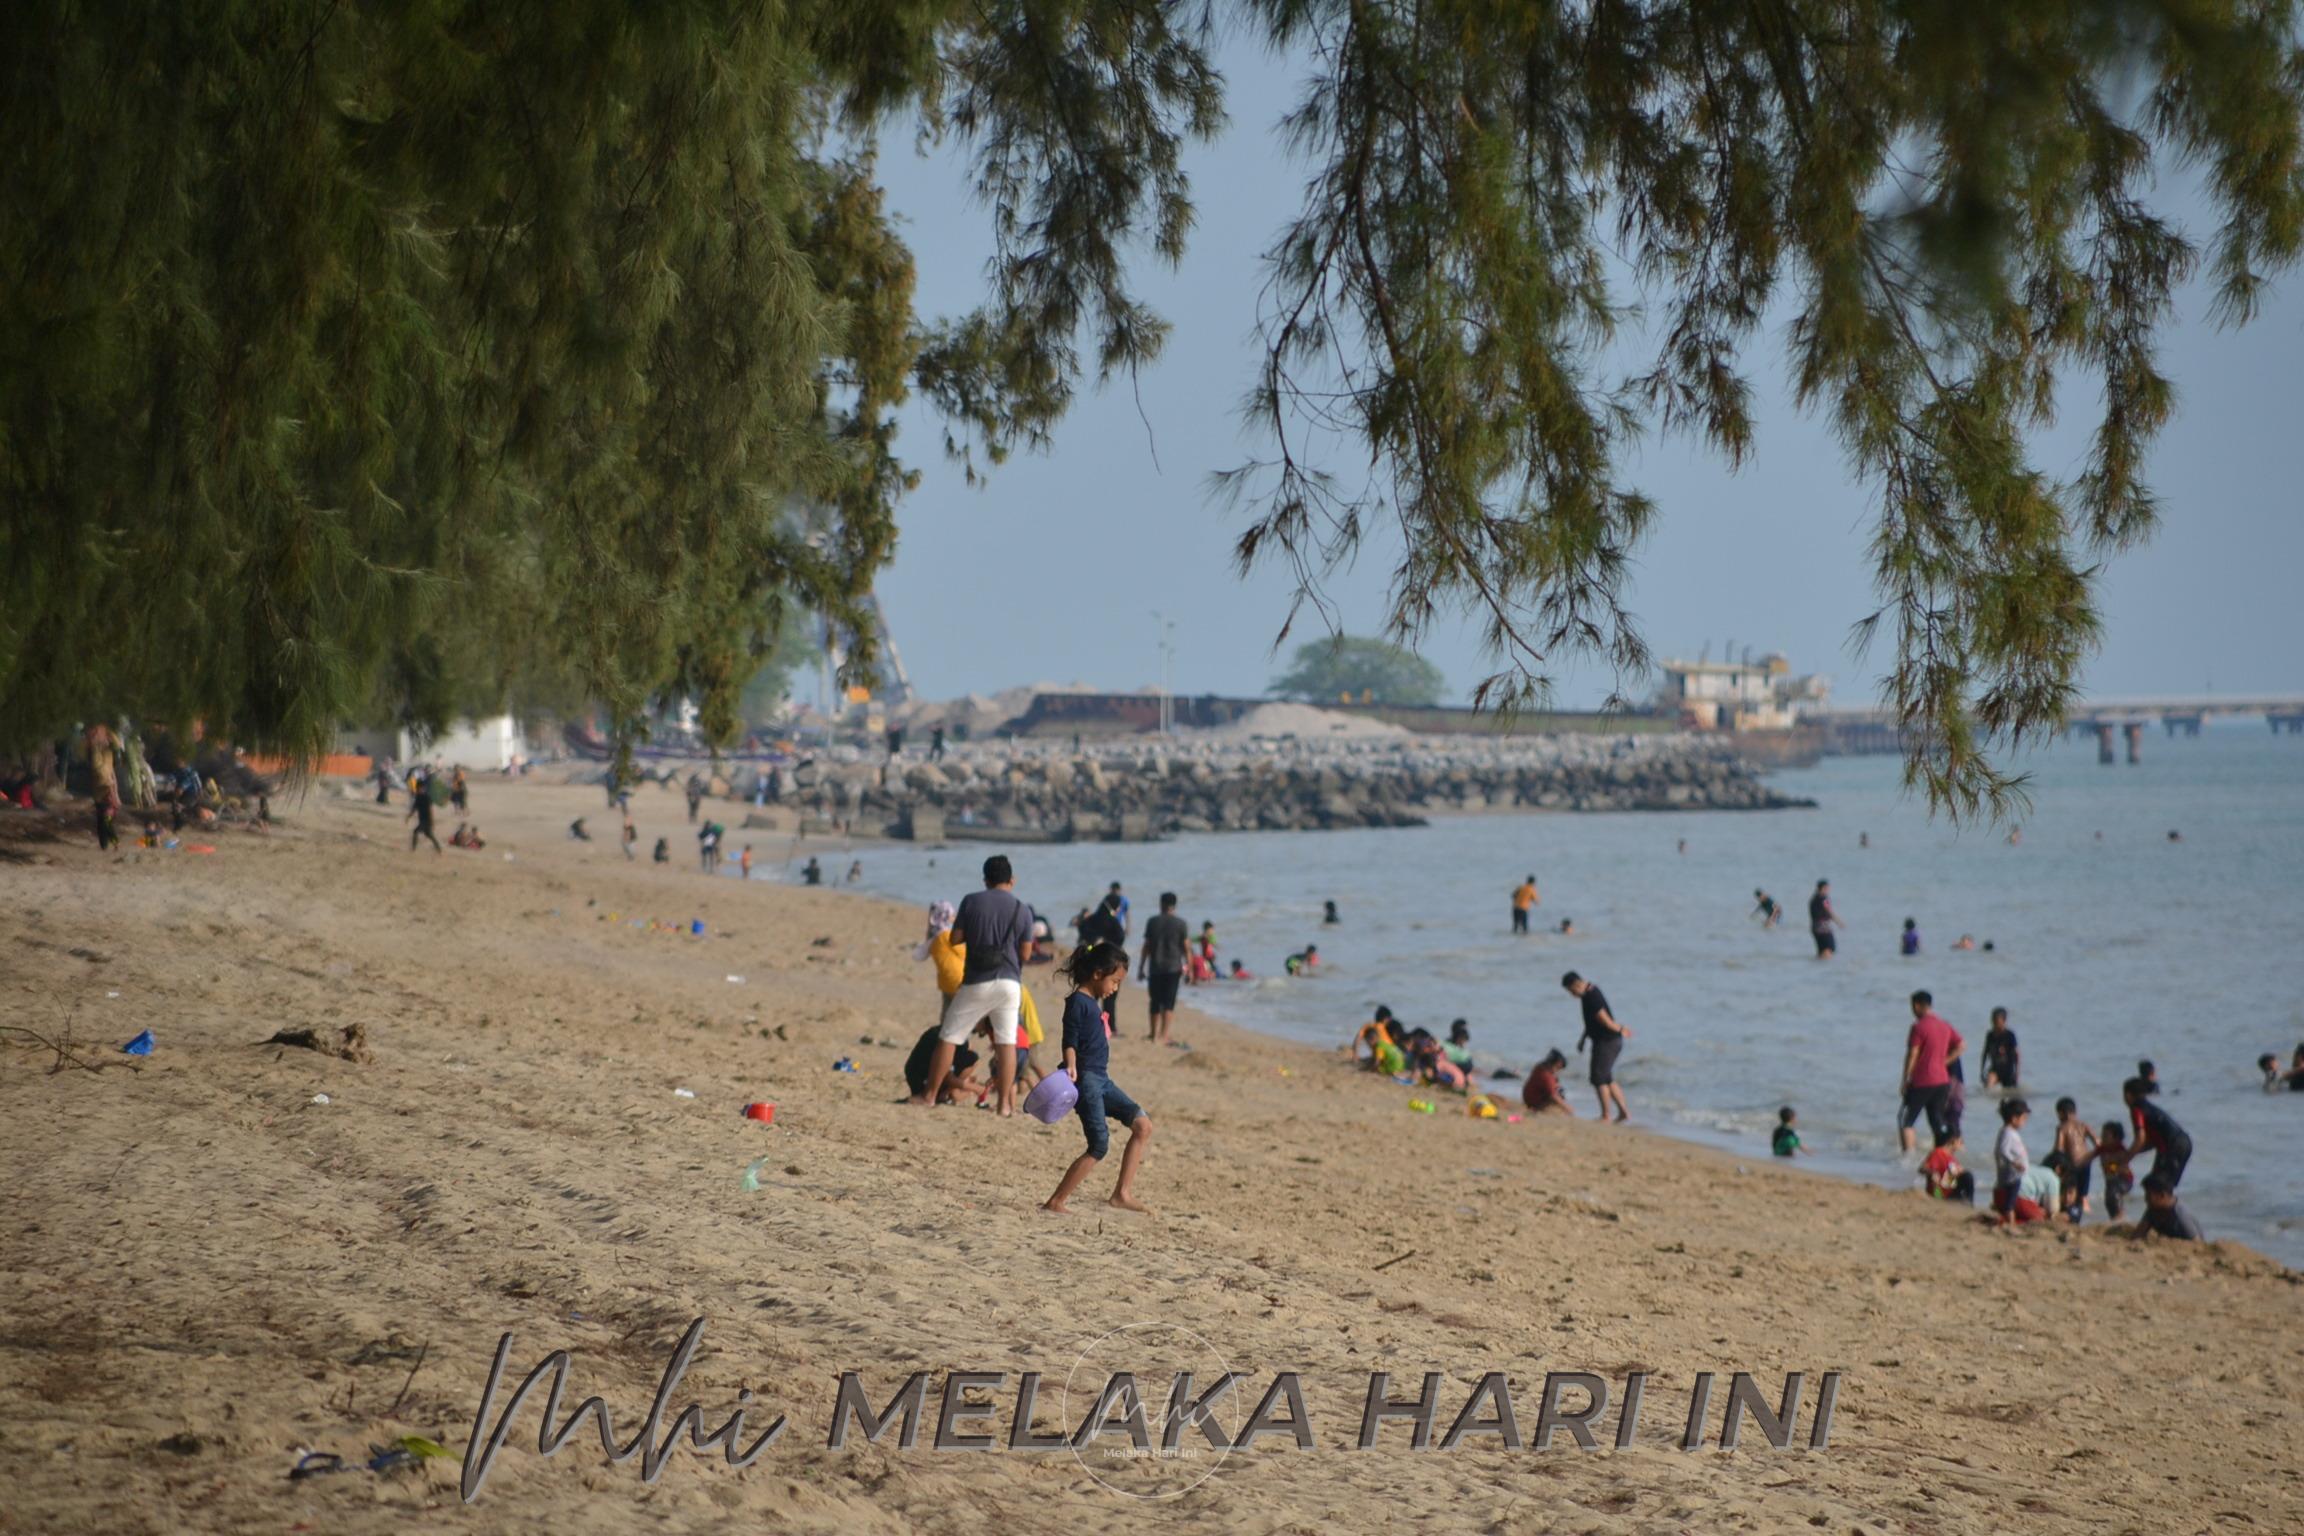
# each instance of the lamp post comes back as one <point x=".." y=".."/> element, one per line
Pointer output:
<point x="1167" y="632"/>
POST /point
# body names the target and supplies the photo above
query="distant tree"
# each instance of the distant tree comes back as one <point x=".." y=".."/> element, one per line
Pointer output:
<point x="1353" y="666"/>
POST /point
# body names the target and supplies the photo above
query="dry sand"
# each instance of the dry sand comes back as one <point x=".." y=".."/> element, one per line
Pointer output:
<point x="206" y="1270"/>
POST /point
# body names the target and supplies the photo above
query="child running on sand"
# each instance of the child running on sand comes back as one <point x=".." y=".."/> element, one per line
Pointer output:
<point x="1095" y="971"/>
<point x="1786" y="1141"/>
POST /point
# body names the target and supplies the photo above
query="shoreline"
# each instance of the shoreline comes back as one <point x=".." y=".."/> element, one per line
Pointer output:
<point x="210" y="1269"/>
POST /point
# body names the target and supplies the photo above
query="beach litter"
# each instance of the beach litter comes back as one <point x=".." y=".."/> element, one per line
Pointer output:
<point x="761" y="1111"/>
<point x="321" y="1098"/>
<point x="140" y="1046"/>
<point x="736" y="981"/>
<point x="844" y="1064"/>
<point x="316" y="1464"/>
<point x="683" y="1093"/>
<point x="1424" y="1106"/>
<point x="111" y="994"/>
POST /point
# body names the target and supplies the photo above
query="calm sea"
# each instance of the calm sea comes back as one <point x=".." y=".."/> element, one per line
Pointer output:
<point x="2111" y="943"/>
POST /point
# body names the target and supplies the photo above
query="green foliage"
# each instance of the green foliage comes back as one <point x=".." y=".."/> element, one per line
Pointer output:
<point x="1356" y="669"/>
<point x="1951" y="204"/>
<point x="367" y="358"/>
<point x="404" y="357"/>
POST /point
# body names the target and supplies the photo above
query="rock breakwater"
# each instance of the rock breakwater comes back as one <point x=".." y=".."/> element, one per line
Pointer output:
<point x="1032" y="791"/>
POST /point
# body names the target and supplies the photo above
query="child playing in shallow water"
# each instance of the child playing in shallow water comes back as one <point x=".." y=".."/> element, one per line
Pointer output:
<point x="1095" y="971"/>
<point x="1786" y="1141"/>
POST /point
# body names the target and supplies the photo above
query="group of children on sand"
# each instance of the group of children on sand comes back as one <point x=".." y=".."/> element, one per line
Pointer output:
<point x="1415" y="1056"/>
<point x="2061" y="1184"/>
<point x="979" y="949"/>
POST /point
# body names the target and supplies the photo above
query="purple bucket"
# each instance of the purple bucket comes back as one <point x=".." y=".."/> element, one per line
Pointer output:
<point x="1053" y="1099"/>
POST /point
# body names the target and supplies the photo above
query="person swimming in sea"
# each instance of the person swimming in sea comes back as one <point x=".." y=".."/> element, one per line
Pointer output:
<point x="1328" y="914"/>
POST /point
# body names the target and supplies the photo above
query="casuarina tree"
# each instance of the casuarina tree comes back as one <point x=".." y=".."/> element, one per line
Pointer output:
<point x="366" y="357"/>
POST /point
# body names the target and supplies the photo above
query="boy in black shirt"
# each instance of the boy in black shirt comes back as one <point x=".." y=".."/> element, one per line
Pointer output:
<point x="1606" y="1037"/>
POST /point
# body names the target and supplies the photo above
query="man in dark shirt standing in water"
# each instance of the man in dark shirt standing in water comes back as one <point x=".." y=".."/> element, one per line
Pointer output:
<point x="1822" y="920"/>
<point x="1162" y="962"/>
<point x="1606" y="1038"/>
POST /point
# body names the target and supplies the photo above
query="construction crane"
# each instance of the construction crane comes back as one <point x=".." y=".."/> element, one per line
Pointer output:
<point x="895" y="683"/>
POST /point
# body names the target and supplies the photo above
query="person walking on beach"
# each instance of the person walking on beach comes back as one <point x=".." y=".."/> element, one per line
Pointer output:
<point x="420" y="811"/>
<point x="993" y="928"/>
<point x="1161" y="965"/>
<point x="1926" y="1084"/>
<point x="1524" y="901"/>
<point x="1822" y="920"/>
<point x="1095" y="970"/>
<point x="631" y="839"/>
<point x="459" y="791"/>
<point x="1118" y="902"/>
<point x="1606" y="1037"/>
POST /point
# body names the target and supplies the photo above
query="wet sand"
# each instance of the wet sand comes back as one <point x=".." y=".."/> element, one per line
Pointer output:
<point x="206" y="1271"/>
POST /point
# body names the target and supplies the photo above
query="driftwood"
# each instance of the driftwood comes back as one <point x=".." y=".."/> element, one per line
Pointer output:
<point x="66" y="1055"/>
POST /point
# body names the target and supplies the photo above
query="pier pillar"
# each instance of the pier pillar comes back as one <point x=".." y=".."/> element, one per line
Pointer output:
<point x="2135" y="733"/>
<point x="2104" y="744"/>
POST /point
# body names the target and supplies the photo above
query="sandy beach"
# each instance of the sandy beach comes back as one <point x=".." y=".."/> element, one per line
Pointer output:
<point x="209" y="1272"/>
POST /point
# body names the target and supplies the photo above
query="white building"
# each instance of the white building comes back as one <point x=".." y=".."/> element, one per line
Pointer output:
<point x="1755" y="694"/>
<point x="481" y="746"/>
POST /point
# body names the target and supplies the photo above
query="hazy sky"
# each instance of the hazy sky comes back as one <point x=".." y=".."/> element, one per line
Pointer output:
<point x="1053" y="570"/>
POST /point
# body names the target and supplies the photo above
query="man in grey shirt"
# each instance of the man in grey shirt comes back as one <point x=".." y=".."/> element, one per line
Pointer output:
<point x="997" y="929"/>
<point x="1165" y="938"/>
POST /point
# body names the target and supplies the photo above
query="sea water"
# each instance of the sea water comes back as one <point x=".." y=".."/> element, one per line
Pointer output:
<point x="2110" y="943"/>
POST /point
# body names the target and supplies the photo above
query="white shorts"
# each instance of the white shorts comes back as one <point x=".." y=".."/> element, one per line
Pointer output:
<point x="980" y="1000"/>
